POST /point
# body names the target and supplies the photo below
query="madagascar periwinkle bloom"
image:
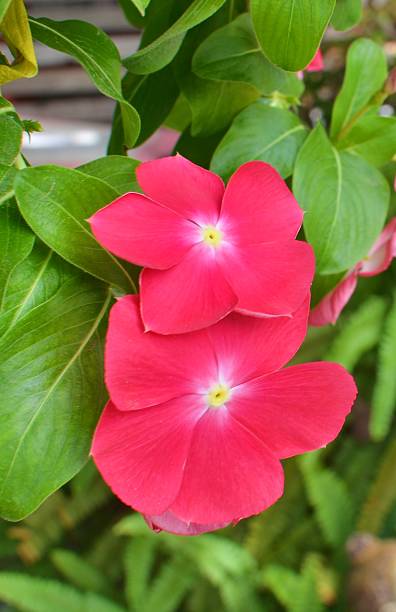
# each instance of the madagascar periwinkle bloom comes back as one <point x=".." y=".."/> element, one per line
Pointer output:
<point x="207" y="250"/>
<point x="316" y="65"/>
<point x="197" y="423"/>
<point x="378" y="260"/>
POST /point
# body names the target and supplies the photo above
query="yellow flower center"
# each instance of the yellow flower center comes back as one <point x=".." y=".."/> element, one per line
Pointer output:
<point x="218" y="396"/>
<point x="212" y="236"/>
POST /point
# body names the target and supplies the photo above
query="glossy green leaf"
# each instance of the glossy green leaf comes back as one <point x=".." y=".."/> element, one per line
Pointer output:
<point x="117" y="171"/>
<point x="290" y="31"/>
<point x="260" y="132"/>
<point x="11" y="132"/>
<point x="97" y="53"/>
<point x="232" y="53"/>
<point x="14" y="27"/>
<point x="345" y="199"/>
<point x="347" y="13"/>
<point x="69" y="198"/>
<point x="7" y="175"/>
<point x="374" y="138"/>
<point x="366" y="71"/>
<point x="161" y="51"/>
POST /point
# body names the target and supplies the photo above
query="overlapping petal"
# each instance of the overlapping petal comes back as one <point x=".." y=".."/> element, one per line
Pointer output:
<point x="382" y="253"/>
<point x="171" y="523"/>
<point x="330" y="307"/>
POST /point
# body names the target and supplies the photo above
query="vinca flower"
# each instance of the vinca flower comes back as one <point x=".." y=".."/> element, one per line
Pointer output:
<point x="206" y="250"/>
<point x="197" y="423"/>
<point x="378" y="260"/>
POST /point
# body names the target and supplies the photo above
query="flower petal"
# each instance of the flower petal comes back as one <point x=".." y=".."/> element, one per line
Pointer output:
<point x="145" y="369"/>
<point x="247" y="347"/>
<point x="229" y="474"/>
<point x="192" y="295"/>
<point x="330" y="307"/>
<point x="171" y="523"/>
<point x="258" y="206"/>
<point x="382" y="253"/>
<point x="188" y="189"/>
<point x="143" y="232"/>
<point x="270" y="279"/>
<point x="141" y="453"/>
<point x="317" y="64"/>
<point x="295" y="410"/>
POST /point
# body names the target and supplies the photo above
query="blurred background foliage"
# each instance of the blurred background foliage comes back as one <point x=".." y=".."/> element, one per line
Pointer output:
<point x="329" y="543"/>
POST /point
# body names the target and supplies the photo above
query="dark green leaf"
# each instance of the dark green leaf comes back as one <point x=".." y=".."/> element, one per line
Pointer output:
<point x="117" y="171"/>
<point x="69" y="198"/>
<point x="7" y="175"/>
<point x="365" y="75"/>
<point x="97" y="53"/>
<point x="345" y="199"/>
<point x="374" y="138"/>
<point x="198" y="149"/>
<point x="290" y="31"/>
<point x="130" y="11"/>
<point x="232" y="53"/>
<point x="347" y="13"/>
<point x="161" y="51"/>
<point x="260" y="132"/>
<point x="79" y="572"/>
<point x="141" y="5"/>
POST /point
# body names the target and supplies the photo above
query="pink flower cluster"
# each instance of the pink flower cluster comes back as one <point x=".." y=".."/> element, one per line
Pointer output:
<point x="201" y="411"/>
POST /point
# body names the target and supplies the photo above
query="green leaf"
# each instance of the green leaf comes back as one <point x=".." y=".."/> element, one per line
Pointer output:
<point x="69" y="198"/>
<point x="97" y="53"/>
<point x="290" y="31"/>
<point x="132" y="14"/>
<point x="366" y="71"/>
<point x="283" y="582"/>
<point x="51" y="369"/>
<point x="14" y="27"/>
<point x="39" y="595"/>
<point x="347" y="13"/>
<point x="7" y="176"/>
<point x="78" y="571"/>
<point x="345" y="200"/>
<point x="232" y="53"/>
<point x="161" y="51"/>
<point x="384" y="392"/>
<point x="373" y="138"/>
<point x="139" y="561"/>
<point x="141" y="5"/>
<point x="11" y="132"/>
<point x="117" y="171"/>
<point x="260" y="132"/>
<point x="169" y="587"/>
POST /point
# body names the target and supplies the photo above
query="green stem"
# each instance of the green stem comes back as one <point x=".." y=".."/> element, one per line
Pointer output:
<point x="20" y="162"/>
<point x="376" y="100"/>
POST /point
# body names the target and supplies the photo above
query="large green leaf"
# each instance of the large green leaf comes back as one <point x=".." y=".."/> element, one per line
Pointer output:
<point x="51" y="372"/>
<point x="161" y="51"/>
<point x="14" y="27"/>
<point x="56" y="203"/>
<point x="232" y="53"/>
<point x="7" y="175"/>
<point x="260" y="132"/>
<point x="366" y="71"/>
<point x="345" y="199"/>
<point x="10" y="133"/>
<point x="97" y="53"/>
<point x="374" y="138"/>
<point x="290" y="31"/>
<point x="117" y="171"/>
<point x="347" y="13"/>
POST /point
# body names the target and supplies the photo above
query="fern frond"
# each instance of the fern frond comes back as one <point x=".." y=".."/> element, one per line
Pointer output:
<point x="169" y="588"/>
<point x="384" y="393"/>
<point x="79" y="572"/>
<point x="307" y="595"/>
<point x="283" y="583"/>
<point x="359" y="334"/>
<point x="138" y="560"/>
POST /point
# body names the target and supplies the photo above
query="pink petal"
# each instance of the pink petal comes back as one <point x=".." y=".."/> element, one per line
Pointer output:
<point x="144" y="369"/>
<point x="171" y="523"/>
<point x="270" y="279"/>
<point x="247" y="347"/>
<point x="229" y="473"/>
<point x="382" y="253"/>
<point x="143" y="232"/>
<point x="295" y="410"/>
<point x="192" y="295"/>
<point x="141" y="454"/>
<point x="330" y="307"/>
<point x="317" y="64"/>
<point x="258" y="206"/>
<point x="188" y="189"/>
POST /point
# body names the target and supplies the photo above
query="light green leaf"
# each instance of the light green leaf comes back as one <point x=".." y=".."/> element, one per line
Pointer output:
<point x="373" y="138"/>
<point x="347" y="13"/>
<point x="141" y="5"/>
<point x="51" y="372"/>
<point x="7" y="176"/>
<point x="78" y="571"/>
<point x="117" y="171"/>
<point x="11" y="132"/>
<point x="232" y="53"/>
<point x="69" y="198"/>
<point x="161" y="51"/>
<point x="14" y="27"/>
<point x="139" y="559"/>
<point x="290" y="31"/>
<point x="260" y="132"/>
<point x="97" y="53"/>
<point x="366" y="71"/>
<point x="345" y="199"/>
<point x="4" y="4"/>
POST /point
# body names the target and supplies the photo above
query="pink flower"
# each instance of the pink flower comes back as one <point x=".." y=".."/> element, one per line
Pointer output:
<point x="197" y="423"/>
<point x="206" y="250"/>
<point x="316" y="65"/>
<point x="378" y="260"/>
